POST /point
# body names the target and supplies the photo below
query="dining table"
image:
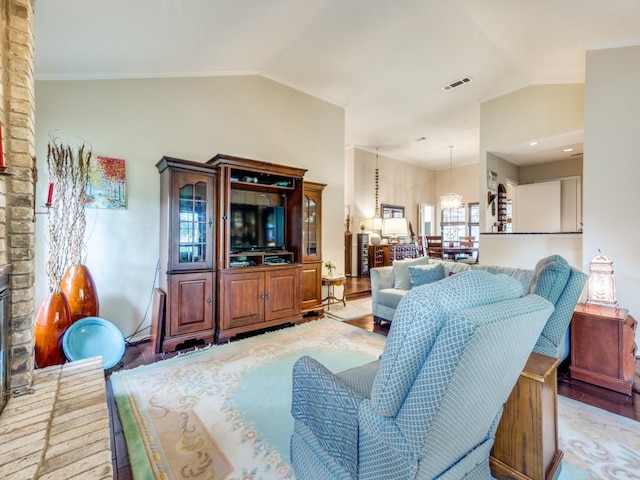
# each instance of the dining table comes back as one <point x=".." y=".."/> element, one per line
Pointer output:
<point x="451" y="252"/>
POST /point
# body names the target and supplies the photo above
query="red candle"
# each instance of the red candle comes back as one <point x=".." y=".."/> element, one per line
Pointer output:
<point x="50" y="195"/>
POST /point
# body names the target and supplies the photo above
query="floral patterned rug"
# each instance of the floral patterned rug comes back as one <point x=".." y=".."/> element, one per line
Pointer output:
<point x="224" y="412"/>
<point x="597" y="444"/>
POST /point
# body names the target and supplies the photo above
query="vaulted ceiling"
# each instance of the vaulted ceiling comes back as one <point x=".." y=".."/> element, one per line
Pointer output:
<point x="384" y="61"/>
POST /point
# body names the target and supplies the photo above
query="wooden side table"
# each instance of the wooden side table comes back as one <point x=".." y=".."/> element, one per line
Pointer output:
<point x="526" y="444"/>
<point x="332" y="283"/>
<point x="603" y="348"/>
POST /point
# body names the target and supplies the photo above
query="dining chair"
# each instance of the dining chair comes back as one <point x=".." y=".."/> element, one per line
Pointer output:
<point x="434" y="246"/>
<point x="468" y="242"/>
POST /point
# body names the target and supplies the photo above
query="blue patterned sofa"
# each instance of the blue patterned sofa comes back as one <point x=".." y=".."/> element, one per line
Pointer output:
<point x="553" y="278"/>
<point x="430" y="407"/>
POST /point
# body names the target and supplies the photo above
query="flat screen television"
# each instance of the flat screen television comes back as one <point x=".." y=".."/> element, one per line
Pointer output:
<point x="257" y="228"/>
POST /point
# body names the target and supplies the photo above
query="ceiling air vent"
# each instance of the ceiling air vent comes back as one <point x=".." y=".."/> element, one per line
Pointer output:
<point x="456" y="84"/>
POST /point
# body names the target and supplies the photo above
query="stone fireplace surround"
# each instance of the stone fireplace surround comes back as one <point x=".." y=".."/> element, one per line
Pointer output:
<point x="17" y="189"/>
<point x="5" y="319"/>
<point x="55" y="423"/>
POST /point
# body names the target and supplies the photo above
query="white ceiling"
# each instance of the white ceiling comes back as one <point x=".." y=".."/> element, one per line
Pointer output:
<point x="384" y="61"/>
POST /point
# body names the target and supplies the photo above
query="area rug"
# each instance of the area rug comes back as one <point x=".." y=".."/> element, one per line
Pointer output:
<point x="358" y="308"/>
<point x="224" y="412"/>
<point x="597" y="444"/>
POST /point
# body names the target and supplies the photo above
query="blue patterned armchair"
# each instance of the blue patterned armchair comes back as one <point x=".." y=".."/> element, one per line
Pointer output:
<point x="429" y="408"/>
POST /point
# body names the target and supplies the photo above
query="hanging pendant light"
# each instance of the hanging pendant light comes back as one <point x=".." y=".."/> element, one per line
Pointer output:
<point x="376" y="221"/>
<point x="450" y="201"/>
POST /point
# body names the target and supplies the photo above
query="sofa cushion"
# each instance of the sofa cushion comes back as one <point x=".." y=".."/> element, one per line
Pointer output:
<point x="423" y="274"/>
<point x="451" y="267"/>
<point x="401" y="271"/>
<point x="522" y="275"/>
<point x="550" y="277"/>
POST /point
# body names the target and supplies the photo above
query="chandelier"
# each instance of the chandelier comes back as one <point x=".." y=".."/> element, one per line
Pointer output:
<point x="450" y="201"/>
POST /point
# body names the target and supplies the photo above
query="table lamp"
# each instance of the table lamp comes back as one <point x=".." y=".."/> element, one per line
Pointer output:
<point x="394" y="228"/>
<point x="601" y="285"/>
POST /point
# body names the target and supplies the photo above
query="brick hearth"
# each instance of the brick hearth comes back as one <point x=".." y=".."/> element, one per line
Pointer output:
<point x="61" y="430"/>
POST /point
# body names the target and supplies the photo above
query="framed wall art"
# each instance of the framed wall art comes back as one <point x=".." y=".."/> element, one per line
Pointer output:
<point x="107" y="183"/>
<point x="391" y="211"/>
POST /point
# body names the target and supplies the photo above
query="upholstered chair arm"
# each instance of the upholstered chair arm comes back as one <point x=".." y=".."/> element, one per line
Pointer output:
<point x="381" y="278"/>
<point x="329" y="408"/>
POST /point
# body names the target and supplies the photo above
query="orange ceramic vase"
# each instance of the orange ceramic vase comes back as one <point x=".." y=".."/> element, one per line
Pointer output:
<point x="77" y="284"/>
<point x="53" y="318"/>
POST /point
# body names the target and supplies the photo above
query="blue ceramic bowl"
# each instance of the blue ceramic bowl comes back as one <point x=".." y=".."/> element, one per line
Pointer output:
<point x="92" y="337"/>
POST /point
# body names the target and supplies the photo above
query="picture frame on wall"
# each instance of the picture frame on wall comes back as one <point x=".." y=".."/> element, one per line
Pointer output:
<point x="392" y="211"/>
<point x="492" y="180"/>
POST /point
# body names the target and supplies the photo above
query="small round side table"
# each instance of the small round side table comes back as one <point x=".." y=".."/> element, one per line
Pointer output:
<point x="332" y="283"/>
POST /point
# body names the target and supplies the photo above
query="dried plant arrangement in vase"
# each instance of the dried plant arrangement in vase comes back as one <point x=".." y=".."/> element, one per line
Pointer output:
<point x="68" y="177"/>
<point x="69" y="174"/>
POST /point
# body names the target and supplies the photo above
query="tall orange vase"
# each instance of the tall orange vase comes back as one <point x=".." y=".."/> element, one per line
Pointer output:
<point x="54" y="317"/>
<point x="77" y="284"/>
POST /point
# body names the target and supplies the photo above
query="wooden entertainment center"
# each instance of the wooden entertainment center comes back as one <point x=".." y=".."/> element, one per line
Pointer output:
<point x="233" y="245"/>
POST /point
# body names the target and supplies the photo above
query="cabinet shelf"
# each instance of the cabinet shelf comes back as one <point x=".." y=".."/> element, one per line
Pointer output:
<point x="256" y="259"/>
<point x="253" y="178"/>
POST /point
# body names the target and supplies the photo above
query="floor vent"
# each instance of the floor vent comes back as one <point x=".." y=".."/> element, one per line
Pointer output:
<point x="456" y="84"/>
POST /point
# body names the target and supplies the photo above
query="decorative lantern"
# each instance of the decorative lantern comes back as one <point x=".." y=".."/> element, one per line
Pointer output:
<point x="601" y="286"/>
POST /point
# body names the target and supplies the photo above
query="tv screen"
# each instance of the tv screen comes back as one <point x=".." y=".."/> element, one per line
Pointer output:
<point x="256" y="227"/>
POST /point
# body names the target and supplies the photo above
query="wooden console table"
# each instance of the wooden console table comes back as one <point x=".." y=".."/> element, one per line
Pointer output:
<point x="526" y="445"/>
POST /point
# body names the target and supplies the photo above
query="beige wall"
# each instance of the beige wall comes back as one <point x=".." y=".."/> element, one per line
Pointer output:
<point x="193" y="118"/>
<point x="464" y="181"/>
<point x="403" y="184"/>
<point x="612" y="167"/>
<point x="510" y="122"/>
<point x="550" y="170"/>
<point x="400" y="183"/>
<point x="532" y="113"/>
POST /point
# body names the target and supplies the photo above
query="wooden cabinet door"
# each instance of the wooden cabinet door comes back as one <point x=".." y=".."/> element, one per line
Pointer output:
<point x="191" y="306"/>
<point x="242" y="299"/>
<point x="282" y="293"/>
<point x="311" y="285"/>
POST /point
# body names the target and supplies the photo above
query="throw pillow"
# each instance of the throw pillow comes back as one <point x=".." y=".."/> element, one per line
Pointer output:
<point x="401" y="278"/>
<point x="423" y="274"/>
<point x="550" y="277"/>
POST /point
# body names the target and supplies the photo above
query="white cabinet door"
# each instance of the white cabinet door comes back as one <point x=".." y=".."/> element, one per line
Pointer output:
<point x="537" y="208"/>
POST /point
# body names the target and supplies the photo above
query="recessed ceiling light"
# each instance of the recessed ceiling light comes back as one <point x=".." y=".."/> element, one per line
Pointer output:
<point x="533" y="143"/>
<point x="567" y="150"/>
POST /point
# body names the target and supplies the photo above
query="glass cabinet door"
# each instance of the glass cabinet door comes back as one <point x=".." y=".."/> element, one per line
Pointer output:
<point x="194" y="222"/>
<point x="310" y="227"/>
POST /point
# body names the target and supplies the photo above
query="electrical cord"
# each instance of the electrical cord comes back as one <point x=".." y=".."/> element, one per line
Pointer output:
<point x="138" y="329"/>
